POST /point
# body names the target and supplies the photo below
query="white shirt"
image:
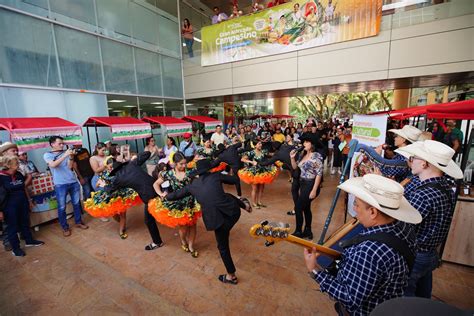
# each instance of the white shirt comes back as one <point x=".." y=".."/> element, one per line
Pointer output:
<point x="218" y="138"/>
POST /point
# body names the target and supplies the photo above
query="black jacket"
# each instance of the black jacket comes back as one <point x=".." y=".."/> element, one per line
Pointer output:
<point x="231" y="156"/>
<point x="208" y="191"/>
<point x="283" y="154"/>
<point x="131" y="175"/>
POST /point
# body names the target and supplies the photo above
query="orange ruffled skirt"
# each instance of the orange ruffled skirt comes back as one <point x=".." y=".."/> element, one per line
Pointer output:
<point x="174" y="217"/>
<point x="115" y="206"/>
<point x="265" y="177"/>
<point x="192" y="164"/>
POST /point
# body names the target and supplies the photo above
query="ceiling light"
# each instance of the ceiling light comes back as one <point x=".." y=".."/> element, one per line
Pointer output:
<point x="117" y="101"/>
<point x="189" y="103"/>
<point x="184" y="45"/>
<point x="117" y="111"/>
<point x="156" y="103"/>
<point x="158" y="107"/>
<point x="129" y="106"/>
<point x="110" y="109"/>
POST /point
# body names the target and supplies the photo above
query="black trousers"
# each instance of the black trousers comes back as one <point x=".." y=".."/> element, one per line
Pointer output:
<point x="237" y="185"/>
<point x="295" y="188"/>
<point x="303" y="205"/>
<point x="222" y="237"/>
<point x="152" y="227"/>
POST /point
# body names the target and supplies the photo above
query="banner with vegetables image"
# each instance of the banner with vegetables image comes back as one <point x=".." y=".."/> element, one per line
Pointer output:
<point x="289" y="27"/>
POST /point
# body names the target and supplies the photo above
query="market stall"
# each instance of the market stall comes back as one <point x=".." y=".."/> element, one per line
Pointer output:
<point x="203" y="122"/>
<point x="168" y="125"/>
<point x="33" y="133"/>
<point x="122" y="128"/>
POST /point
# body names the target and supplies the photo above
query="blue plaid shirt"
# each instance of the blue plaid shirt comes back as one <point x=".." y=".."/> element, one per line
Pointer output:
<point x="370" y="272"/>
<point x="397" y="173"/>
<point x="411" y="186"/>
<point x="436" y="209"/>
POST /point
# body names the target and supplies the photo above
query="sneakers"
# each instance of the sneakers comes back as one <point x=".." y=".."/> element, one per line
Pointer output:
<point x="82" y="226"/>
<point x="18" y="252"/>
<point x="153" y="246"/>
<point x="69" y="216"/>
<point x="104" y="219"/>
<point x="7" y="247"/>
<point x="34" y="243"/>
<point x="67" y="232"/>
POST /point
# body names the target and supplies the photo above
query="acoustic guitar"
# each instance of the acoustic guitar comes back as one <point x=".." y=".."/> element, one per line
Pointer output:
<point x="276" y="232"/>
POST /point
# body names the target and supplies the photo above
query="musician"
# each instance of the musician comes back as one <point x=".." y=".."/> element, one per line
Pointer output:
<point x="375" y="264"/>
<point x="220" y="210"/>
<point x="432" y="195"/>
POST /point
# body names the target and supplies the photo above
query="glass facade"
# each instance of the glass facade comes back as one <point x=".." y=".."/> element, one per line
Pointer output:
<point x="107" y="46"/>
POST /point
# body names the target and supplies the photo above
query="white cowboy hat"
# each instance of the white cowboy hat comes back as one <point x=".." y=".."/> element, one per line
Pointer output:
<point x="437" y="154"/>
<point x="410" y="133"/>
<point x="384" y="194"/>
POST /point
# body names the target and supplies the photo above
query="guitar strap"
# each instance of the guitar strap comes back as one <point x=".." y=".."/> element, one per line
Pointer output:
<point x="390" y="240"/>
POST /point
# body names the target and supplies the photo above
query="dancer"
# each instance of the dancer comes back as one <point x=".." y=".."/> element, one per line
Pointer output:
<point x="220" y="210"/>
<point x="311" y="168"/>
<point x="182" y="213"/>
<point x="115" y="203"/>
<point x="152" y="162"/>
<point x="257" y="175"/>
<point x="131" y="175"/>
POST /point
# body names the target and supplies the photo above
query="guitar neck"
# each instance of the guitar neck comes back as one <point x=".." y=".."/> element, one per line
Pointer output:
<point x="341" y="232"/>
<point x="308" y="244"/>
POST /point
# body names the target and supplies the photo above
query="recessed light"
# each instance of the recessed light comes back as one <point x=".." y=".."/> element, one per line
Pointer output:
<point x="117" y="111"/>
<point x="156" y="103"/>
<point x="110" y="109"/>
<point x="189" y="103"/>
<point x="117" y="101"/>
<point x="129" y="106"/>
<point x="158" y="107"/>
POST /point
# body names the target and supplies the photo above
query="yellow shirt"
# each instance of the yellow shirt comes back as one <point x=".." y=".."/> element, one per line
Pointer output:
<point x="278" y="137"/>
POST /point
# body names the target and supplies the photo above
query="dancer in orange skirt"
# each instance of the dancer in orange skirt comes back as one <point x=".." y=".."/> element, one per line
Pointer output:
<point x="257" y="175"/>
<point x="182" y="213"/>
<point x="206" y="152"/>
<point x="115" y="203"/>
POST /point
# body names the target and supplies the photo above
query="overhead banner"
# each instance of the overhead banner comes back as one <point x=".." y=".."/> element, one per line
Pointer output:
<point x="130" y="132"/>
<point x="289" y="27"/>
<point x="29" y="139"/>
<point x="173" y="130"/>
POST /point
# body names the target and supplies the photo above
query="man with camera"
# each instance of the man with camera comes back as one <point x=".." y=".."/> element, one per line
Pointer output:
<point x="61" y="163"/>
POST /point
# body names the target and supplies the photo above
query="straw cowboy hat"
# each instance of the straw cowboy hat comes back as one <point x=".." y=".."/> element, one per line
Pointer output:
<point x="437" y="154"/>
<point x="410" y="133"/>
<point x="6" y="146"/>
<point x="384" y="194"/>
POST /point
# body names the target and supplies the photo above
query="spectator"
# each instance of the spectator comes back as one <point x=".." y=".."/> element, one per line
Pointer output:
<point x="250" y="135"/>
<point x="196" y="137"/>
<point x="83" y="169"/>
<point x="453" y="137"/>
<point x="278" y="136"/>
<point x="257" y="7"/>
<point x="235" y="12"/>
<point x="188" y="35"/>
<point x="255" y="128"/>
<point x="97" y="163"/>
<point x="437" y="131"/>
<point x="218" y="16"/>
<point x="169" y="148"/>
<point x="152" y="161"/>
<point x="27" y="165"/>
<point x="218" y="137"/>
<point x="16" y="208"/>
<point x="60" y="163"/>
<point x="188" y="147"/>
<point x="299" y="128"/>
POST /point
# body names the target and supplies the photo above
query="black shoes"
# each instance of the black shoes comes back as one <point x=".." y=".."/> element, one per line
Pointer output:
<point x="18" y="252"/>
<point x="34" y="243"/>
<point x="307" y="234"/>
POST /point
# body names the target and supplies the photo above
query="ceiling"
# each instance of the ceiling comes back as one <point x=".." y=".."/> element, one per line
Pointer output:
<point x="401" y="83"/>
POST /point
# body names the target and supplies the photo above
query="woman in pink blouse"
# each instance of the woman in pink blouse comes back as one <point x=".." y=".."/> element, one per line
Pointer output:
<point x="188" y="35"/>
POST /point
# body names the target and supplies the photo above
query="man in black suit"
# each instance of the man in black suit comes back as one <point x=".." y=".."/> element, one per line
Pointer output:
<point x="131" y="175"/>
<point x="220" y="210"/>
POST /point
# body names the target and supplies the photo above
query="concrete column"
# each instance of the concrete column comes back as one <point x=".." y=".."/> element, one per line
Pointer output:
<point x="281" y="106"/>
<point x="401" y="98"/>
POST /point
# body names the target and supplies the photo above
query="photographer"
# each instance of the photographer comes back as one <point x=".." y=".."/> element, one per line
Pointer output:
<point x="61" y="163"/>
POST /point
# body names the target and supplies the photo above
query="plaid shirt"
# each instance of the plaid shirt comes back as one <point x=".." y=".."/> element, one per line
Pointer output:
<point x="370" y="272"/>
<point x="411" y="186"/>
<point x="436" y="209"/>
<point x="397" y="173"/>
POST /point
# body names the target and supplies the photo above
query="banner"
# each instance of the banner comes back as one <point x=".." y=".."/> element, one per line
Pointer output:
<point x="370" y="129"/>
<point x="28" y="139"/>
<point x="211" y="126"/>
<point x="173" y="130"/>
<point x="289" y="27"/>
<point x="129" y="132"/>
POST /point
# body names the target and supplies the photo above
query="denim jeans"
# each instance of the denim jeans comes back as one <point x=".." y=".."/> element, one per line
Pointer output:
<point x="17" y="217"/>
<point x="74" y="191"/>
<point x="421" y="278"/>
<point x="189" y="45"/>
<point x="87" y="188"/>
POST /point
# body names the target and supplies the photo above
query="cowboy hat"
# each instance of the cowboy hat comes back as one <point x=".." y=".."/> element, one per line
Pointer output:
<point x="6" y="146"/>
<point x="437" y="154"/>
<point x="384" y="194"/>
<point x="202" y="166"/>
<point x="408" y="132"/>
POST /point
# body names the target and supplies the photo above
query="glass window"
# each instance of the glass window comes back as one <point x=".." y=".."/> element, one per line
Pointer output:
<point x="145" y="24"/>
<point x="151" y="107"/>
<point x="121" y="105"/>
<point x="118" y="67"/>
<point x="79" y="59"/>
<point x="114" y="18"/>
<point x="172" y="77"/>
<point x="38" y="7"/>
<point x="167" y="6"/>
<point x="27" y="51"/>
<point x="168" y="34"/>
<point x="73" y="12"/>
<point x="174" y="108"/>
<point x="148" y="72"/>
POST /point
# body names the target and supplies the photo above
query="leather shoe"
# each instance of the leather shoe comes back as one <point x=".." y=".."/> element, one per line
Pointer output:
<point x="298" y="234"/>
<point x="82" y="226"/>
<point x="67" y="232"/>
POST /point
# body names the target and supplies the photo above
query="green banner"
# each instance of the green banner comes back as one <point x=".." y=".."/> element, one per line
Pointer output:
<point x="289" y="27"/>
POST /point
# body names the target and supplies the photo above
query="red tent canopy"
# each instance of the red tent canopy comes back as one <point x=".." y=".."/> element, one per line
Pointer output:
<point x="164" y="120"/>
<point x="122" y="127"/>
<point x="461" y="110"/>
<point x="200" y="119"/>
<point x="269" y="116"/>
<point x="34" y="132"/>
<point x="172" y="126"/>
<point x="409" y="112"/>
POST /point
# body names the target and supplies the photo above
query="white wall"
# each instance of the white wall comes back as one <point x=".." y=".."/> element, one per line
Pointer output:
<point x="437" y="47"/>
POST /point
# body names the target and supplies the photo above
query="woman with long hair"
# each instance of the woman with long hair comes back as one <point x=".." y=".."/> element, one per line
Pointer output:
<point x="152" y="162"/>
<point x="97" y="164"/>
<point x="16" y="209"/>
<point x="310" y="165"/>
<point x="170" y="147"/>
<point x="188" y="35"/>
<point x="182" y="213"/>
<point x="257" y="175"/>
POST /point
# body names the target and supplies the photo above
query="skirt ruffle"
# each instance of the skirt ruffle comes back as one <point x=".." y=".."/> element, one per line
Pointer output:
<point x="174" y="217"/>
<point x="265" y="177"/>
<point x="192" y="164"/>
<point x="115" y="206"/>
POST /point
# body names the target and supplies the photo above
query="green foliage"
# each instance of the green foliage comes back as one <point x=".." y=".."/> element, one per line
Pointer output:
<point x="326" y="106"/>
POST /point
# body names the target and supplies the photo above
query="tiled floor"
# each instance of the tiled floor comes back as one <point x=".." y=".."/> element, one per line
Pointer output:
<point x="95" y="272"/>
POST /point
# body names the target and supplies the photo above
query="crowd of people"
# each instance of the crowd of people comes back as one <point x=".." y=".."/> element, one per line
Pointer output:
<point x="405" y="205"/>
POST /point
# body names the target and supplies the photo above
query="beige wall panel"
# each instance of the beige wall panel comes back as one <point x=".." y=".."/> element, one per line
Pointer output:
<point x="266" y="59"/>
<point x="431" y="70"/>
<point x="206" y="94"/>
<point x="265" y="73"/>
<point x="266" y="87"/>
<point x="366" y="76"/>
<point x="209" y="81"/>
<point x="191" y="68"/>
